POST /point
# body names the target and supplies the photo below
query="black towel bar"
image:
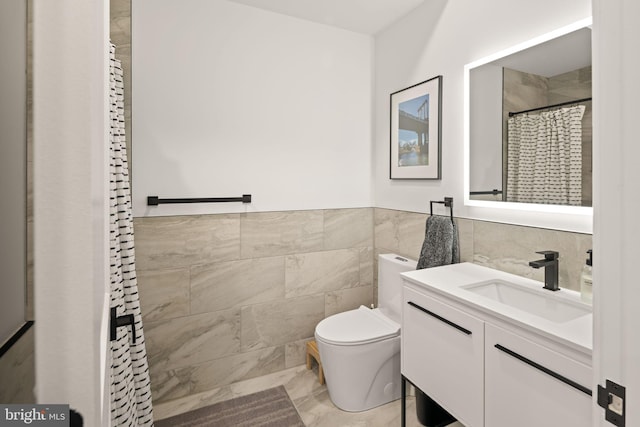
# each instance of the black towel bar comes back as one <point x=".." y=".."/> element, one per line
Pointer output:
<point x="495" y="192"/>
<point x="448" y="202"/>
<point x="155" y="200"/>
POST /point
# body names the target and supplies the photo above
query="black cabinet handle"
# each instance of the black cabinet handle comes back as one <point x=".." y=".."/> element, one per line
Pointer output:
<point x="440" y="318"/>
<point x="547" y="371"/>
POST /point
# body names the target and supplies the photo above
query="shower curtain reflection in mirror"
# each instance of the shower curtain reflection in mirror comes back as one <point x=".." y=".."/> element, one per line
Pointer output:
<point x="544" y="160"/>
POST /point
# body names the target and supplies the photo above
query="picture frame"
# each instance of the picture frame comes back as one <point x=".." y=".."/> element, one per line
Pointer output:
<point x="415" y="135"/>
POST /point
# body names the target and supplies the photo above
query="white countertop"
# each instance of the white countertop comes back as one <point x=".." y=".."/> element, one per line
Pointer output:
<point x="448" y="281"/>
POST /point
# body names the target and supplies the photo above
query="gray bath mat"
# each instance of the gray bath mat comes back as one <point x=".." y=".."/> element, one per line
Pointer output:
<point x="268" y="408"/>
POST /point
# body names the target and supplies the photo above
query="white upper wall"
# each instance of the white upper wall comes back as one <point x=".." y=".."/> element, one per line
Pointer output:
<point x="362" y="16"/>
<point x="229" y="100"/>
<point x="439" y="38"/>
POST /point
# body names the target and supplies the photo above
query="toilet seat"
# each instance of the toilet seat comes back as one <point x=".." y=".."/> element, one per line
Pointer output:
<point x="357" y="327"/>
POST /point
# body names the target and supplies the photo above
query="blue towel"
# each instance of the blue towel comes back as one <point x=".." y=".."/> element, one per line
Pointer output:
<point x="440" y="245"/>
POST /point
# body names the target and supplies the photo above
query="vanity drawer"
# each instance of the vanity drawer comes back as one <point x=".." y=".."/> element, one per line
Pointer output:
<point x="527" y="384"/>
<point x="443" y="355"/>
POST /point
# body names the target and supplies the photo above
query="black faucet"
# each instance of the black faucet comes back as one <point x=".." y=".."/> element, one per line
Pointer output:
<point x="550" y="264"/>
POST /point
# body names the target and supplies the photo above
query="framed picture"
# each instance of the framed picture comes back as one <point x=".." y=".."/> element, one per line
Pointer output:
<point x="415" y="131"/>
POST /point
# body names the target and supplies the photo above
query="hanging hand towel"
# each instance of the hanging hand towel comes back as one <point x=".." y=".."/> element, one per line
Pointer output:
<point x="440" y="245"/>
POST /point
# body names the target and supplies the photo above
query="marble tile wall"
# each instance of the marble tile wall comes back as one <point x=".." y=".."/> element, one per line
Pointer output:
<point x="120" y="35"/>
<point x="501" y="246"/>
<point x="17" y="371"/>
<point x="235" y="296"/>
<point x="230" y="297"/>
<point x="403" y="232"/>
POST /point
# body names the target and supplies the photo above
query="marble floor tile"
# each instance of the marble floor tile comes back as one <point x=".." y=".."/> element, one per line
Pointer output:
<point x="173" y="407"/>
<point x="309" y="397"/>
<point x="234" y="368"/>
<point x="294" y="377"/>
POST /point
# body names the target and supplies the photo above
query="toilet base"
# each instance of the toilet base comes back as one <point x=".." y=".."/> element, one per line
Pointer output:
<point x="359" y="377"/>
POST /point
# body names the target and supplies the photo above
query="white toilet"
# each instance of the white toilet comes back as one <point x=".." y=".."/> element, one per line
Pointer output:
<point x="360" y="349"/>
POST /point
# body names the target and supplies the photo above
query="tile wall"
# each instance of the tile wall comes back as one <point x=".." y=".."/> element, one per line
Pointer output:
<point x="120" y="36"/>
<point x="501" y="246"/>
<point x="17" y="371"/>
<point x="230" y="297"/>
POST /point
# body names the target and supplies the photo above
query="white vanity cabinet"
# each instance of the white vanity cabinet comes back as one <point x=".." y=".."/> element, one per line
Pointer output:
<point x="529" y="385"/>
<point x="443" y="354"/>
<point x="494" y="365"/>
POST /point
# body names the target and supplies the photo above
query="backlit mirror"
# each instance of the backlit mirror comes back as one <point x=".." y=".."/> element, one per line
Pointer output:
<point x="529" y="113"/>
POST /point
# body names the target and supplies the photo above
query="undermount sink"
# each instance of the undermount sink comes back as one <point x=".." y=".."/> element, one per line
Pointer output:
<point x="536" y="302"/>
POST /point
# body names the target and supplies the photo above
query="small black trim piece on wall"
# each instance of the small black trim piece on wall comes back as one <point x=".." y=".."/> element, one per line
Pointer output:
<point x="15" y="337"/>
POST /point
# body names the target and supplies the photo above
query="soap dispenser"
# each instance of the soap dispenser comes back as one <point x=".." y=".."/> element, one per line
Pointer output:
<point x="586" y="282"/>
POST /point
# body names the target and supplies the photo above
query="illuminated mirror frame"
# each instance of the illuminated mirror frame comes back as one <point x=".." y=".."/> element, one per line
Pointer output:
<point x="570" y="218"/>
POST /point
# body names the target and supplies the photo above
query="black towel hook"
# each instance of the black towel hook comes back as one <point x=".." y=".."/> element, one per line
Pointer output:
<point x="448" y="202"/>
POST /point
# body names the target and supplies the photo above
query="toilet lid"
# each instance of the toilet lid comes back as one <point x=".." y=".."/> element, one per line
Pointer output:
<point x="356" y="327"/>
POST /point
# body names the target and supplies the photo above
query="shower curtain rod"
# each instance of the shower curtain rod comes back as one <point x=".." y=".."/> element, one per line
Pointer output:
<point x="511" y="113"/>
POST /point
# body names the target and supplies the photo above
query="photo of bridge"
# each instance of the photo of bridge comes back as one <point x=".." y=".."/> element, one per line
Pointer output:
<point x="413" y="132"/>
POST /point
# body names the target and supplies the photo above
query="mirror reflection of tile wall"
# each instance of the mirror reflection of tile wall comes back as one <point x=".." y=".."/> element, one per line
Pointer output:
<point x="120" y="34"/>
<point x="29" y="314"/>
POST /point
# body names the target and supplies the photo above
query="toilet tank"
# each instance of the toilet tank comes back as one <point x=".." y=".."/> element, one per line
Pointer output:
<point x="390" y="283"/>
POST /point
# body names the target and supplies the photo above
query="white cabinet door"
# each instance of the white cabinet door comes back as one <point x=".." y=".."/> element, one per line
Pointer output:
<point x="442" y="354"/>
<point x="527" y="385"/>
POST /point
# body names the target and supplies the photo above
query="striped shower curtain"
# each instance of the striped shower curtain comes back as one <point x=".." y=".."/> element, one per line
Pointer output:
<point x="544" y="161"/>
<point x="130" y="383"/>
